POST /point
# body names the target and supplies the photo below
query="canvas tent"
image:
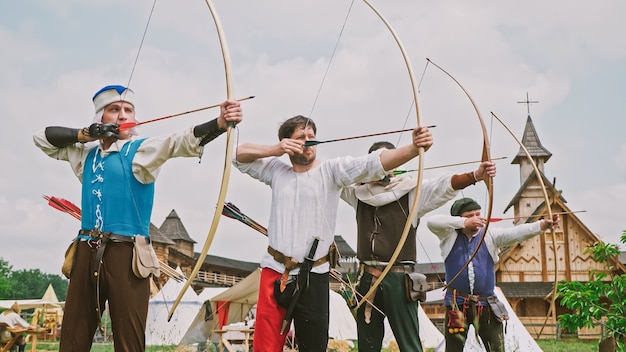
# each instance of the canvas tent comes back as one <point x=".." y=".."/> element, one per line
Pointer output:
<point x="51" y="315"/>
<point x="233" y="305"/>
<point x="228" y="307"/>
<point x="429" y="334"/>
<point x="516" y="337"/>
<point x="48" y="301"/>
<point x="158" y="330"/>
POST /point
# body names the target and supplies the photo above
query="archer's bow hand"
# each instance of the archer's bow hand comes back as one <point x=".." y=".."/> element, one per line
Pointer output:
<point x="485" y="169"/>
<point x="230" y="114"/>
<point x="422" y="138"/>
<point x="547" y="223"/>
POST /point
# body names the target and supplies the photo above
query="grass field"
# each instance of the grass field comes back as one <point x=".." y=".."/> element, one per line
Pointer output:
<point x="546" y="346"/>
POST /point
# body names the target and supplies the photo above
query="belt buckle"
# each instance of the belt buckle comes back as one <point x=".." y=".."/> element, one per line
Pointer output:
<point x="95" y="238"/>
<point x="473" y="298"/>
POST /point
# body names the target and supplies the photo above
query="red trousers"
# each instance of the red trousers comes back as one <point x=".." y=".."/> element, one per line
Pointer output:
<point x="269" y="316"/>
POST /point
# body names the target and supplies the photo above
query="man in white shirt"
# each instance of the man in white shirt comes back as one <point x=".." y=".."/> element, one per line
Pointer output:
<point x="305" y="197"/>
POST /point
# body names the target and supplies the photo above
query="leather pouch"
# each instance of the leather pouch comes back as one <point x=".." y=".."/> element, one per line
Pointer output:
<point x="145" y="261"/>
<point x="68" y="262"/>
<point x="333" y="256"/>
<point x="415" y="287"/>
<point x="283" y="298"/>
<point x="498" y="309"/>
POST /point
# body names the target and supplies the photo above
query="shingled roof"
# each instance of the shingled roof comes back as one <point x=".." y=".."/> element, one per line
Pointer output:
<point x="174" y="228"/>
<point x="530" y="140"/>
<point x="158" y="237"/>
<point x="344" y="248"/>
<point x="526" y="289"/>
<point x="214" y="260"/>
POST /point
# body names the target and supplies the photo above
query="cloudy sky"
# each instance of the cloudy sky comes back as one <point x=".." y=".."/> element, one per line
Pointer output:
<point x="567" y="55"/>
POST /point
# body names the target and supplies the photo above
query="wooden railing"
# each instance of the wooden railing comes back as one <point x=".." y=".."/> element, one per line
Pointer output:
<point x="218" y="279"/>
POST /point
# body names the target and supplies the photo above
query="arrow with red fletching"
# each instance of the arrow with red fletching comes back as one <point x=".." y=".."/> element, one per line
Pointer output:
<point x="64" y="205"/>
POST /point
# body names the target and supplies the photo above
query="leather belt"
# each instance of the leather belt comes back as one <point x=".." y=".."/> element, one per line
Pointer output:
<point x="289" y="262"/>
<point x="473" y="298"/>
<point x="376" y="271"/>
<point x="104" y="236"/>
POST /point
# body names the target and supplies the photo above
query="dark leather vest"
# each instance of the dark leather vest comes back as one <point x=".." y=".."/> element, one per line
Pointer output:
<point x="379" y="231"/>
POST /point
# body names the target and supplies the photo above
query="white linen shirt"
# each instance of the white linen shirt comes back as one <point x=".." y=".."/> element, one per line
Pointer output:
<point x="304" y="205"/>
<point x="433" y="194"/>
<point x="13" y="319"/>
<point x="150" y="156"/>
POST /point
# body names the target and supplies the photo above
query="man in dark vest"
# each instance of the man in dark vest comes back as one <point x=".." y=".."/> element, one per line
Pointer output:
<point x="382" y="208"/>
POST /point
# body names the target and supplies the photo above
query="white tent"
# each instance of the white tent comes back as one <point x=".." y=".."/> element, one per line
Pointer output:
<point x="228" y="307"/>
<point x="516" y="337"/>
<point x="48" y="301"/>
<point x="51" y="314"/>
<point x="232" y="307"/>
<point x="429" y="334"/>
<point x="158" y="330"/>
<point x="342" y="325"/>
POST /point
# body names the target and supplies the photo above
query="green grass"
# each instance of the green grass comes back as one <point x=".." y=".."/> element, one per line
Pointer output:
<point x="546" y="346"/>
<point x="568" y="345"/>
<point x="96" y="347"/>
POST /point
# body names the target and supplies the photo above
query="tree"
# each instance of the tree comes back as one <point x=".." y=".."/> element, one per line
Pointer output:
<point x="5" y="282"/>
<point x="32" y="283"/>
<point x="28" y="284"/>
<point x="601" y="299"/>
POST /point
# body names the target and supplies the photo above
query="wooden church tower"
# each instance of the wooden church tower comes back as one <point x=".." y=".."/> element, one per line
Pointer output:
<point x="527" y="271"/>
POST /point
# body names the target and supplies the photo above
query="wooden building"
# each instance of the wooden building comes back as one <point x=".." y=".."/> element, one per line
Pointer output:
<point x="175" y="247"/>
<point x="527" y="271"/>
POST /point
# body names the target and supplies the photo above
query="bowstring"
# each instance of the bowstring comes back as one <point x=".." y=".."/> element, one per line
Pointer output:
<point x="130" y="77"/>
<point x="330" y="60"/>
<point x="408" y="114"/>
<point x="319" y="91"/>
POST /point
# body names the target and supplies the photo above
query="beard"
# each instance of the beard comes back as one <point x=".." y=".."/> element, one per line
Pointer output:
<point x="302" y="159"/>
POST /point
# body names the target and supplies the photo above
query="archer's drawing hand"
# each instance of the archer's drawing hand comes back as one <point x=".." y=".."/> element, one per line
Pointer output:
<point x="104" y="130"/>
<point x="290" y="146"/>
<point x="474" y="222"/>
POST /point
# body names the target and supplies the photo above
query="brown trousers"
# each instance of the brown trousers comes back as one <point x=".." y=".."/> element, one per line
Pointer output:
<point x="126" y="294"/>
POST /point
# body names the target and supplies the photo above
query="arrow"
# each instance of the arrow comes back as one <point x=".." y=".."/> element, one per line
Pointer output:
<point x="400" y="172"/>
<point x="231" y="211"/>
<point x="128" y="125"/>
<point x="313" y="143"/>
<point x="64" y="205"/>
<point x="526" y="217"/>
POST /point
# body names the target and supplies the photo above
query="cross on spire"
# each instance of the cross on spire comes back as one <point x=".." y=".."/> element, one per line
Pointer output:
<point x="528" y="102"/>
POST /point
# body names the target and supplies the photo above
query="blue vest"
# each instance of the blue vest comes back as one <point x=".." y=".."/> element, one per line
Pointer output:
<point x="484" y="268"/>
<point x="113" y="200"/>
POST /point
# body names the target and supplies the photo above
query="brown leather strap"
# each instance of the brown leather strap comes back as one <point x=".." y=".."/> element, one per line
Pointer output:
<point x="96" y="234"/>
<point x="376" y="272"/>
<point x="289" y="262"/>
<point x="473" y="298"/>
